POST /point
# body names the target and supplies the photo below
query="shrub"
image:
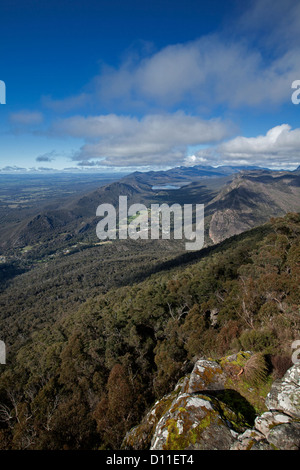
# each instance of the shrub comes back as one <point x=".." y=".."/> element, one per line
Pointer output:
<point x="258" y="340"/>
<point x="227" y="335"/>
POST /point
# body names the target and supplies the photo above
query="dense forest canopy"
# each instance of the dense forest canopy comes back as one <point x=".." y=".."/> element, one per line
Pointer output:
<point x="82" y="376"/>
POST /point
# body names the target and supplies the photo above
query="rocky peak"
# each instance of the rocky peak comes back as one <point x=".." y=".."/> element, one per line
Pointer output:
<point x="205" y="412"/>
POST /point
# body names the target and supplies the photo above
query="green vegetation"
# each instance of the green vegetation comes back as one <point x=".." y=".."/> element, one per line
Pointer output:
<point x="92" y="346"/>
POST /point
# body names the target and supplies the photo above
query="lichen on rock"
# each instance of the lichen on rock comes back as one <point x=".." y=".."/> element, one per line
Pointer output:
<point x="206" y="412"/>
<point x="192" y="422"/>
<point x="285" y="393"/>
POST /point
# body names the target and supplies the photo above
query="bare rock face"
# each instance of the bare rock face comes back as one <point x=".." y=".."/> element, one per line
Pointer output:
<point x="285" y="393"/>
<point x="225" y="224"/>
<point x="285" y="436"/>
<point x="206" y="375"/>
<point x="279" y="433"/>
<point x="251" y="440"/>
<point x="197" y="415"/>
<point x="267" y="421"/>
<point x="272" y="430"/>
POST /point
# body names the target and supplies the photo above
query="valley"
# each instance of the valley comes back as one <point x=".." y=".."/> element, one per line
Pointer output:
<point x="56" y="214"/>
<point x="87" y="322"/>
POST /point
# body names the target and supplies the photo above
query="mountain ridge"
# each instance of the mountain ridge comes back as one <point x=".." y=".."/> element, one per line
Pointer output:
<point x="250" y="199"/>
<point x="235" y="198"/>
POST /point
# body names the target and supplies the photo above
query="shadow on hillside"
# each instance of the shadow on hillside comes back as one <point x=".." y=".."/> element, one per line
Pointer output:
<point x="8" y="271"/>
<point x="192" y="257"/>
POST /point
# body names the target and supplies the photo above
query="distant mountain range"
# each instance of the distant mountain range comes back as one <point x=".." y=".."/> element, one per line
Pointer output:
<point x="236" y="199"/>
<point x="190" y="173"/>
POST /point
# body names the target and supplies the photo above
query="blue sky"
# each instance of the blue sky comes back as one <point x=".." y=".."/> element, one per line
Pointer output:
<point x="113" y="84"/>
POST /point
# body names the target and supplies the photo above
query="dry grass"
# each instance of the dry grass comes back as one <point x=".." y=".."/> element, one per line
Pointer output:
<point x="256" y="369"/>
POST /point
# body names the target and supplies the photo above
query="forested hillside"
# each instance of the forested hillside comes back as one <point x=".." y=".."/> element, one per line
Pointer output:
<point x="81" y="380"/>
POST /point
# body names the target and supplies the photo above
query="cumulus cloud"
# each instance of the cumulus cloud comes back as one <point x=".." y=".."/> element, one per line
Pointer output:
<point x="280" y="145"/>
<point x="206" y="73"/>
<point x="278" y="148"/>
<point x="251" y="62"/>
<point x="157" y="139"/>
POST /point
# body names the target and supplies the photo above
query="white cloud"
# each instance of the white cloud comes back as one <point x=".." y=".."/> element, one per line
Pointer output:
<point x="205" y="73"/>
<point x="197" y="72"/>
<point x="278" y="148"/>
<point x="250" y="62"/>
<point x="203" y="157"/>
<point x="157" y="139"/>
<point x="280" y="142"/>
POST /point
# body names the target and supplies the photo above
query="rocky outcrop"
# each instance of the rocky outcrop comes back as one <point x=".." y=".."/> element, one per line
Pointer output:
<point x="194" y="422"/>
<point x="285" y="393"/>
<point x="278" y="428"/>
<point x="272" y="430"/>
<point x="206" y="375"/>
<point x="206" y="412"/>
